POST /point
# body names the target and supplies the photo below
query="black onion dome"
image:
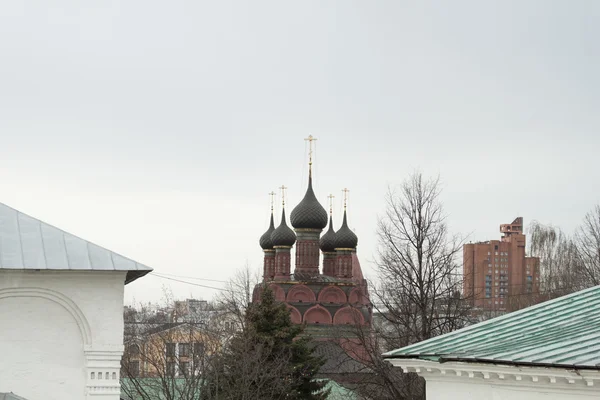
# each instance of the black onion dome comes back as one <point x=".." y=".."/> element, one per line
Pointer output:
<point x="344" y="237"/>
<point x="309" y="213"/>
<point x="327" y="242"/>
<point x="265" y="240"/>
<point x="283" y="235"/>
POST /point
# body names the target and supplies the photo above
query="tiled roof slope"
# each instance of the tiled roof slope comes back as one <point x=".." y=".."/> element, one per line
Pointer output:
<point x="28" y="243"/>
<point x="564" y="332"/>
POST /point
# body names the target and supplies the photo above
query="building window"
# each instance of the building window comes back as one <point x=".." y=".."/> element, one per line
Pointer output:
<point x="170" y="349"/>
<point x="198" y="349"/>
<point x="184" y="349"/>
<point x="171" y="368"/>
<point x="184" y="368"/>
<point x="134" y="368"/>
<point x="134" y="349"/>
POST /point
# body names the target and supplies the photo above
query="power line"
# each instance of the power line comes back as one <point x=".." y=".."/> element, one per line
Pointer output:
<point x="188" y="277"/>
<point x="190" y="283"/>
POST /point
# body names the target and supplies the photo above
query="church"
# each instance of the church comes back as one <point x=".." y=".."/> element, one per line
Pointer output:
<point x="334" y="296"/>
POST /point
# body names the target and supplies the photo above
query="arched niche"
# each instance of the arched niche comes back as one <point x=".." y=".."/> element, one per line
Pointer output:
<point x="44" y="334"/>
<point x="332" y="294"/>
<point x="301" y="294"/>
<point x="295" y="315"/>
<point x="317" y="315"/>
<point x="278" y="292"/>
<point x="356" y="296"/>
<point x="58" y="298"/>
<point x="348" y="316"/>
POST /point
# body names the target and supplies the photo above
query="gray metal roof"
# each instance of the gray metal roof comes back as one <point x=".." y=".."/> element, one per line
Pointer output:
<point x="28" y="243"/>
<point x="564" y="332"/>
<point x="10" y="396"/>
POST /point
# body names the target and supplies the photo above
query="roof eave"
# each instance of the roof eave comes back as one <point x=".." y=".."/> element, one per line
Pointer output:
<point x="135" y="274"/>
<point x="441" y="359"/>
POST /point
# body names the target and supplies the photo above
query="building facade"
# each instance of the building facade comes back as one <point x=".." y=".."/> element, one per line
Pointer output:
<point x="61" y="312"/>
<point x="497" y="275"/>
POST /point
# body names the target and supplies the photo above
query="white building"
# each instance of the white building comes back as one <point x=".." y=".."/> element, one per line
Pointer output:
<point x="548" y="351"/>
<point x="61" y="312"/>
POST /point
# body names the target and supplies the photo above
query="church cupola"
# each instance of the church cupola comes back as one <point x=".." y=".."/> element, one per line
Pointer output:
<point x="327" y="244"/>
<point x="266" y="242"/>
<point x="283" y="238"/>
<point x="344" y="237"/>
<point x="309" y="213"/>
<point x="283" y="235"/>
<point x="308" y="219"/>
<point x="345" y="244"/>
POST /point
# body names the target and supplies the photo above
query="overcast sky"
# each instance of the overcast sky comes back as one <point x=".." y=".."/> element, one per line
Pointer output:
<point x="156" y="129"/>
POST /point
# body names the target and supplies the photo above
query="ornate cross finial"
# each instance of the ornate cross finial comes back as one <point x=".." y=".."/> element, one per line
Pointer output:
<point x="283" y="187"/>
<point x="310" y="139"/>
<point x="345" y="190"/>
<point x="331" y="197"/>
<point x="272" y="194"/>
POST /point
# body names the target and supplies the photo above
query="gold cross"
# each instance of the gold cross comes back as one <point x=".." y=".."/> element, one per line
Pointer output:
<point x="272" y="194"/>
<point x="283" y="187"/>
<point x="345" y="190"/>
<point x="310" y="139"/>
<point x="331" y="197"/>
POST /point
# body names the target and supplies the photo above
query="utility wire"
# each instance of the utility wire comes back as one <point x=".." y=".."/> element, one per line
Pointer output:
<point x="188" y="277"/>
<point x="190" y="283"/>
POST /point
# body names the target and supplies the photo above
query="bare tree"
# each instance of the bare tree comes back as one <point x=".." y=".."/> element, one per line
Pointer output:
<point x="237" y="294"/>
<point x="168" y="348"/>
<point x="363" y="369"/>
<point x="559" y="265"/>
<point x="419" y="291"/>
<point x="587" y="242"/>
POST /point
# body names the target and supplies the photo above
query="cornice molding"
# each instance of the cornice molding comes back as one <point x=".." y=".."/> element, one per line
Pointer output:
<point x="493" y="374"/>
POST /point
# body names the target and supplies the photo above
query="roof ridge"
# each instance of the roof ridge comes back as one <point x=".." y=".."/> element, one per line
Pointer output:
<point x="16" y="218"/>
<point x="68" y="233"/>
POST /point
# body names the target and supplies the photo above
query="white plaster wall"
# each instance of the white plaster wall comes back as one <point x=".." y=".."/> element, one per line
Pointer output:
<point x="56" y="329"/>
<point x="458" y="389"/>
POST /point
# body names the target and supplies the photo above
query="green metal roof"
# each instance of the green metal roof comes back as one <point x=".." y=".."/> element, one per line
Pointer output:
<point x="153" y="387"/>
<point x="564" y="332"/>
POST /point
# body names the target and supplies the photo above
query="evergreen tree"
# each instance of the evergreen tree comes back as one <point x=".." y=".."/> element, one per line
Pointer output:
<point x="269" y="359"/>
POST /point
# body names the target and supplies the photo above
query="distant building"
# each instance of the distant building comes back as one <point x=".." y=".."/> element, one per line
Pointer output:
<point x="169" y="350"/>
<point x="497" y="275"/>
<point x="61" y="312"/>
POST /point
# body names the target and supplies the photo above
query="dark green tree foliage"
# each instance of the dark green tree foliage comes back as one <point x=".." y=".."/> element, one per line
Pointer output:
<point x="268" y="360"/>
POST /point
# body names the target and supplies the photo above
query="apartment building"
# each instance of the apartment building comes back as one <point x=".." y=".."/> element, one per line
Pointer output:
<point x="496" y="273"/>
